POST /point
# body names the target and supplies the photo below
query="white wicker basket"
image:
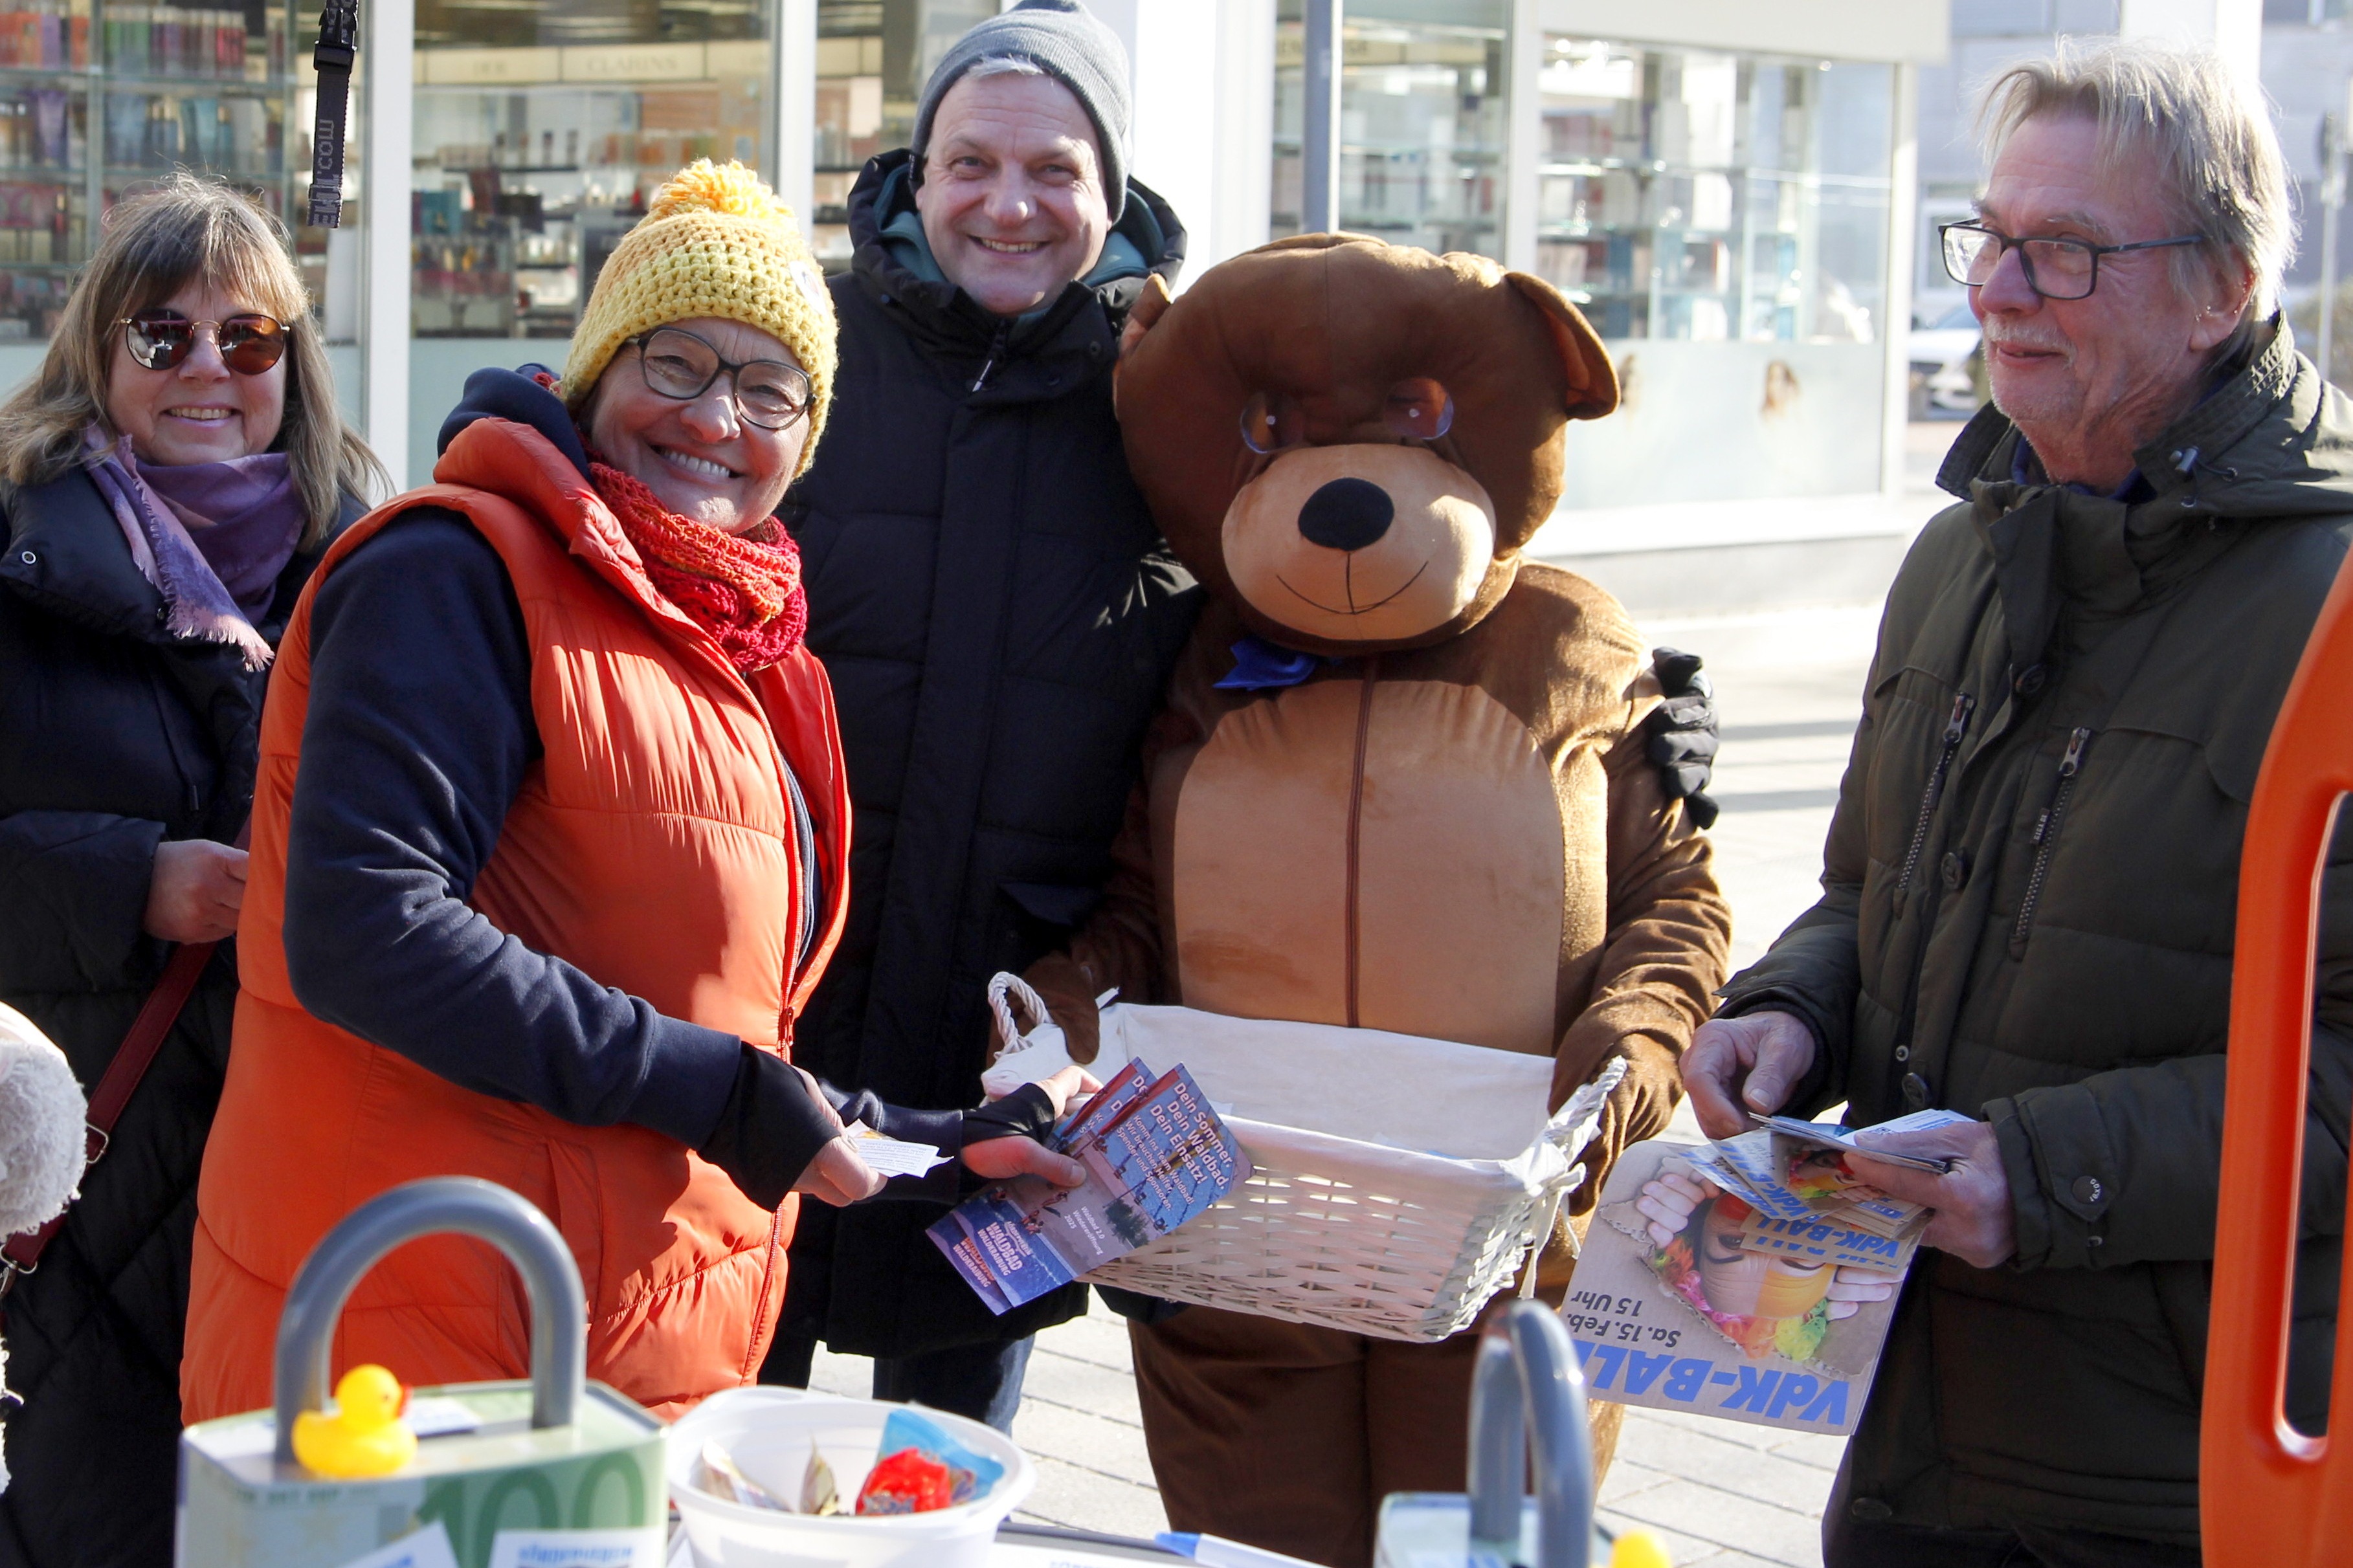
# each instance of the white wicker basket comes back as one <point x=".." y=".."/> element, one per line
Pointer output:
<point x="1341" y="1224"/>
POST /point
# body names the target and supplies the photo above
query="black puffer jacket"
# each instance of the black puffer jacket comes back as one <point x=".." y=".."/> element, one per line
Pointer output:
<point x="998" y="614"/>
<point x="114" y="736"/>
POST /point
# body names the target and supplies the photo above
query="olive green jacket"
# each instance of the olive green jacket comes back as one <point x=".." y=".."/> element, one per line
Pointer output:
<point x="2030" y="891"/>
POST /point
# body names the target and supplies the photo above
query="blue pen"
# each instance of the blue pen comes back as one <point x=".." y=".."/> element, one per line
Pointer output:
<point x="1216" y="1552"/>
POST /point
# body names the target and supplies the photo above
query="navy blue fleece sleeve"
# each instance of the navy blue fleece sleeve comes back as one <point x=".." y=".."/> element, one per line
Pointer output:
<point x="419" y="734"/>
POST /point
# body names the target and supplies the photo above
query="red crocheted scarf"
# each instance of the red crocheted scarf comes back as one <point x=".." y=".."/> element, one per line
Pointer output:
<point x="744" y="589"/>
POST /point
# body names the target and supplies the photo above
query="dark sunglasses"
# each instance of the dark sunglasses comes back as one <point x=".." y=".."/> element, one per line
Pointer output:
<point x="249" y="344"/>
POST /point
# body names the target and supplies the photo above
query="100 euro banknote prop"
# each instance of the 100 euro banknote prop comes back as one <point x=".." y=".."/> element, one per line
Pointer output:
<point x="1156" y="1155"/>
<point x="1690" y="1297"/>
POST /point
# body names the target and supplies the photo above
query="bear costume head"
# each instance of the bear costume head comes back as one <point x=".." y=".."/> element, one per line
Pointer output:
<point x="1351" y="441"/>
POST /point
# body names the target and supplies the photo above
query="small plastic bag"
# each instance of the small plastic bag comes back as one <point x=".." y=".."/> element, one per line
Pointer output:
<point x="923" y="1468"/>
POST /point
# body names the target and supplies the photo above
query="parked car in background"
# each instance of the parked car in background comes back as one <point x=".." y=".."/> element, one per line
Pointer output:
<point x="1943" y="354"/>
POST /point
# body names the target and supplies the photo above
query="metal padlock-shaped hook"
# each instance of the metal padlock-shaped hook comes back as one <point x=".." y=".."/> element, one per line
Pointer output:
<point x="1528" y="1388"/>
<point x="463" y="1206"/>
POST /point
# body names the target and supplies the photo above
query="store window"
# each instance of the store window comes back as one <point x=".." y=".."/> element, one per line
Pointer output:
<point x="1422" y="121"/>
<point x="1706" y="197"/>
<point x="97" y="100"/>
<point x="541" y="129"/>
<point x="873" y="58"/>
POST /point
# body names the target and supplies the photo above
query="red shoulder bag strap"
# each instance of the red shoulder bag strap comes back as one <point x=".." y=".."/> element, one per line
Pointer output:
<point x="22" y="1253"/>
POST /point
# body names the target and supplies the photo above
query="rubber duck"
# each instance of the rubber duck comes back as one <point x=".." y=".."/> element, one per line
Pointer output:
<point x="365" y="1437"/>
<point x="1638" y="1549"/>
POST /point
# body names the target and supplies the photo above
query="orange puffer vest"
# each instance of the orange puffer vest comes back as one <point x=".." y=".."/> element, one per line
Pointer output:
<point x="652" y="846"/>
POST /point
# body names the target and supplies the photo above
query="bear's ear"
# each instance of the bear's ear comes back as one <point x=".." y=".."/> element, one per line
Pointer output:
<point x="1592" y="379"/>
<point x="1149" y="307"/>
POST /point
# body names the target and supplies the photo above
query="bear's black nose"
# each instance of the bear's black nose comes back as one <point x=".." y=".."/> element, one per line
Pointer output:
<point x="1346" y="514"/>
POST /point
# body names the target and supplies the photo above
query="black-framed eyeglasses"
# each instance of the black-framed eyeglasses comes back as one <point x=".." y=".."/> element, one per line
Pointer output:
<point x="249" y="342"/>
<point x="677" y="363"/>
<point x="2055" y="268"/>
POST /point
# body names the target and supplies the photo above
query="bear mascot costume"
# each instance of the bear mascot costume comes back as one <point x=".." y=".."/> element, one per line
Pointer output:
<point x="1400" y="783"/>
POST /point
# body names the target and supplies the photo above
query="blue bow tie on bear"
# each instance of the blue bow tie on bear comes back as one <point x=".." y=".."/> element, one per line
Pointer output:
<point x="1262" y="665"/>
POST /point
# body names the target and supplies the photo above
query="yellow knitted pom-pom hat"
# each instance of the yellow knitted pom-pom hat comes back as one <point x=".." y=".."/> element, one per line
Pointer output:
<point x="714" y="242"/>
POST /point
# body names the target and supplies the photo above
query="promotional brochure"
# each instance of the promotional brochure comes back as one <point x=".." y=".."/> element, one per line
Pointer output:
<point x="1752" y="1278"/>
<point x="1156" y="1155"/>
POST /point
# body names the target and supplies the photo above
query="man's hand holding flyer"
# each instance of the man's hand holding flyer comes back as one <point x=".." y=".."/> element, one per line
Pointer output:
<point x="1751" y="1278"/>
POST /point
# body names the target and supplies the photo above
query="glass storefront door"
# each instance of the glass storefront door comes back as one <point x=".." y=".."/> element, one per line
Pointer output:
<point x="1423" y="102"/>
<point x="1723" y="220"/>
<point x="540" y="131"/>
<point x="1706" y="197"/>
<point x="97" y="98"/>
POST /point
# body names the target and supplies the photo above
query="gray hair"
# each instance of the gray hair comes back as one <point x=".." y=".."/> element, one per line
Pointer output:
<point x="2207" y="132"/>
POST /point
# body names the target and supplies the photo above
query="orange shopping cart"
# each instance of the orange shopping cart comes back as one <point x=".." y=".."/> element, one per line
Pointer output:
<point x="2270" y="1495"/>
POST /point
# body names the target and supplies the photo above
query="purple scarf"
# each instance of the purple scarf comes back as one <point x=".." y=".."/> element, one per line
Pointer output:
<point x="211" y="537"/>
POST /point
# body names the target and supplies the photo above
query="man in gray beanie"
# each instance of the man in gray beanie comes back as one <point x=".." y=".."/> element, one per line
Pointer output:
<point x="999" y="616"/>
<point x="1065" y="41"/>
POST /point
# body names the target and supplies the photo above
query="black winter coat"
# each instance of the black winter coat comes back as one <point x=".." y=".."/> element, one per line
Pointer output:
<point x="999" y="614"/>
<point x="114" y="736"/>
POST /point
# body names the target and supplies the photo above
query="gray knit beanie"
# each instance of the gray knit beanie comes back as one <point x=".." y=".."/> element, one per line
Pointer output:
<point x="1061" y="39"/>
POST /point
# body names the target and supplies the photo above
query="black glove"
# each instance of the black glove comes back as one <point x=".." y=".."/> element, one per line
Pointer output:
<point x="1680" y="733"/>
<point x="773" y="1126"/>
<point x="769" y="1130"/>
<point x="1027" y="1113"/>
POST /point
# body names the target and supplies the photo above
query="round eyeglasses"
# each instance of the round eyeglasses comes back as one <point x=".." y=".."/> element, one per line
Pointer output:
<point x="676" y="363"/>
<point x="2054" y="268"/>
<point x="250" y="343"/>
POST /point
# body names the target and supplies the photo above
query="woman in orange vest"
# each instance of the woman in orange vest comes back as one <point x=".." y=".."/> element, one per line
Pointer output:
<point x="549" y="847"/>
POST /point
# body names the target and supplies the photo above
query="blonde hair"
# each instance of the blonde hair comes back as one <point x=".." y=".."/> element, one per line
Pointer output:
<point x="2206" y="130"/>
<point x="156" y="243"/>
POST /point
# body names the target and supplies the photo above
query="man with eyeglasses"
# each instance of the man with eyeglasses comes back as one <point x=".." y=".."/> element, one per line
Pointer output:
<point x="2030" y="883"/>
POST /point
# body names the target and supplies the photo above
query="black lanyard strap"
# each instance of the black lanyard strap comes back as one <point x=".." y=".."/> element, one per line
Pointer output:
<point x="339" y="45"/>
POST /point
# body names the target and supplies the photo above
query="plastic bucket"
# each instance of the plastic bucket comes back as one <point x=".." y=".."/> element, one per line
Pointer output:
<point x="769" y="1431"/>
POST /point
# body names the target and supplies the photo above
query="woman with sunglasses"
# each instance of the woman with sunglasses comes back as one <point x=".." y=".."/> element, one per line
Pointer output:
<point x="169" y="478"/>
<point x="550" y="846"/>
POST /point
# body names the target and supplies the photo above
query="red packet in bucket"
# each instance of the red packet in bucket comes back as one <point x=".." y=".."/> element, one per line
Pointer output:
<point x="922" y="1469"/>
